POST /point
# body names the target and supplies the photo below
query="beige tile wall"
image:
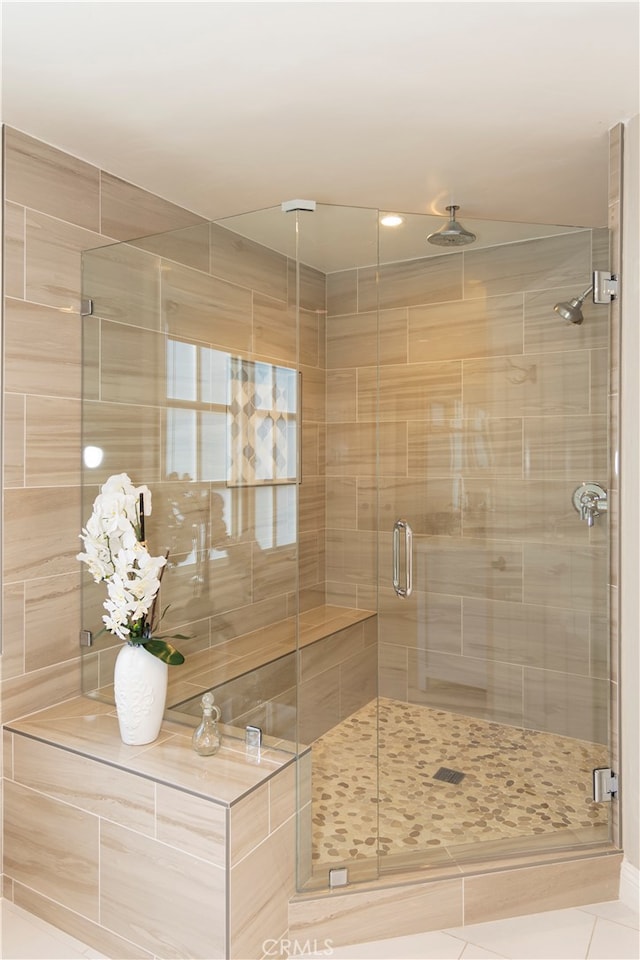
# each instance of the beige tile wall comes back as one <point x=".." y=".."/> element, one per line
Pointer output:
<point x="55" y="206"/>
<point x="137" y="868"/>
<point x="262" y="866"/>
<point x="493" y="414"/>
<point x="193" y="280"/>
<point x="378" y="912"/>
<point x="336" y="676"/>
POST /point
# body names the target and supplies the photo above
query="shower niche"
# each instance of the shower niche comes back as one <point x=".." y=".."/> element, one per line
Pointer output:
<point x="290" y="385"/>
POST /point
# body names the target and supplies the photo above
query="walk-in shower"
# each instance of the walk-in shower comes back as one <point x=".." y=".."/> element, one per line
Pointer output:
<point x="298" y="385"/>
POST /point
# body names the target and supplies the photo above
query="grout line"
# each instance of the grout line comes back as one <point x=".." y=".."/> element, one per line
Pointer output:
<point x="593" y="930"/>
<point x="463" y="892"/>
<point x="24" y="253"/>
<point x="100" y="174"/>
<point x="99" y="870"/>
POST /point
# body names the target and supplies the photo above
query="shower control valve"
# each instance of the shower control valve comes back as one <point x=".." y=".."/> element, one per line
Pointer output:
<point x="590" y="500"/>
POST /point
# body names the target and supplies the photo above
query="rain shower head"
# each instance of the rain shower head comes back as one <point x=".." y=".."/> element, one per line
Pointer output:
<point x="452" y="234"/>
<point x="572" y="309"/>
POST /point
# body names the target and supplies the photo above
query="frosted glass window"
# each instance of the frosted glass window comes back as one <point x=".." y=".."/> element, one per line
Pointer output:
<point x="231" y="419"/>
<point x="198" y="391"/>
<point x="285" y="514"/>
<point x="181" y="370"/>
<point x="276" y="521"/>
<point x="286" y="381"/>
<point x="265" y="511"/>
<point x="181" y="443"/>
<point x="213" y="446"/>
<point x="215" y="376"/>
<point x="222" y="521"/>
<point x="262" y="424"/>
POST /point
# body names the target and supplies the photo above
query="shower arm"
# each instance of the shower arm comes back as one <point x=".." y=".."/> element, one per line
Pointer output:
<point x="583" y="296"/>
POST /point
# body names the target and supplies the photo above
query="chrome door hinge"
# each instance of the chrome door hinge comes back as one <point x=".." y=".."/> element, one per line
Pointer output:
<point x="86" y="307"/>
<point x="86" y="638"/>
<point x="605" y="784"/>
<point x="605" y="286"/>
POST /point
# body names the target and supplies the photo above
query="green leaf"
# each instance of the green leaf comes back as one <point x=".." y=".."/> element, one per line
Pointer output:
<point x="163" y="651"/>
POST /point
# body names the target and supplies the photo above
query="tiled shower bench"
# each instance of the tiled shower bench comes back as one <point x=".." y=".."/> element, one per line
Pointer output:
<point x="148" y="851"/>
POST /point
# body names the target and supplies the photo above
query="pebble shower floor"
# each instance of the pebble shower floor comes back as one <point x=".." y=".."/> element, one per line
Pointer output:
<point x="517" y="783"/>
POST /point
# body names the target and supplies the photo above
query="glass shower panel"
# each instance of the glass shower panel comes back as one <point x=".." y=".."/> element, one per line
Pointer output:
<point x="295" y="386"/>
<point x="191" y="387"/>
<point x="493" y="672"/>
<point x="338" y="580"/>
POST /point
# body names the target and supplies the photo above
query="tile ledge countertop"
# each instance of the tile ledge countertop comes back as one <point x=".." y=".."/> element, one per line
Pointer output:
<point x="90" y="728"/>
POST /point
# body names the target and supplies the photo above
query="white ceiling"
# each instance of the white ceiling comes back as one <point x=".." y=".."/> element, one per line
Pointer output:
<point x="502" y="108"/>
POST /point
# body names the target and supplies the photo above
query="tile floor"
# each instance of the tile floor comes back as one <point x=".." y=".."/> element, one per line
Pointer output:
<point x="25" y="937"/>
<point x="601" y="931"/>
<point x="514" y="784"/>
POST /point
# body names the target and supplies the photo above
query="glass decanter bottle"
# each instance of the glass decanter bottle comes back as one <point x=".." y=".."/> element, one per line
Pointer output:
<point x="206" y="739"/>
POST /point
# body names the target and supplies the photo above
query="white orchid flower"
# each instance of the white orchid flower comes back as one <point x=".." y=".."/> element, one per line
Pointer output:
<point x="114" y="555"/>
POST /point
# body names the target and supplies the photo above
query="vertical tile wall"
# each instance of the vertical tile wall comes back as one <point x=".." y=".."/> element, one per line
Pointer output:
<point x="55" y="206"/>
<point x="492" y="410"/>
<point x="187" y="278"/>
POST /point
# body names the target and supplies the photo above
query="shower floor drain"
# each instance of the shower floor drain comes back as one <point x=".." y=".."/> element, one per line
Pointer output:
<point x="449" y="776"/>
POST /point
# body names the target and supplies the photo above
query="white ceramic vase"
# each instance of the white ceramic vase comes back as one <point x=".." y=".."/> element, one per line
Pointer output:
<point x="140" y="686"/>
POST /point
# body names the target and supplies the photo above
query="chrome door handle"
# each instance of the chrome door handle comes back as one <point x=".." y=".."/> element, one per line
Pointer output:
<point x="402" y="526"/>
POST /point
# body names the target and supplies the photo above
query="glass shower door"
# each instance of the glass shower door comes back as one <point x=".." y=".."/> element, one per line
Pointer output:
<point x="494" y="690"/>
<point x="338" y="635"/>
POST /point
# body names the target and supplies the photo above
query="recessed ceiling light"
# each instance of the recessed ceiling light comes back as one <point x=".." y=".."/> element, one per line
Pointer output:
<point x="391" y="220"/>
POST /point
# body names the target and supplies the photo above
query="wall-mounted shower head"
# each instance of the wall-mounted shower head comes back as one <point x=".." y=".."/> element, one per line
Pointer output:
<point x="572" y="309"/>
<point x="452" y="234"/>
